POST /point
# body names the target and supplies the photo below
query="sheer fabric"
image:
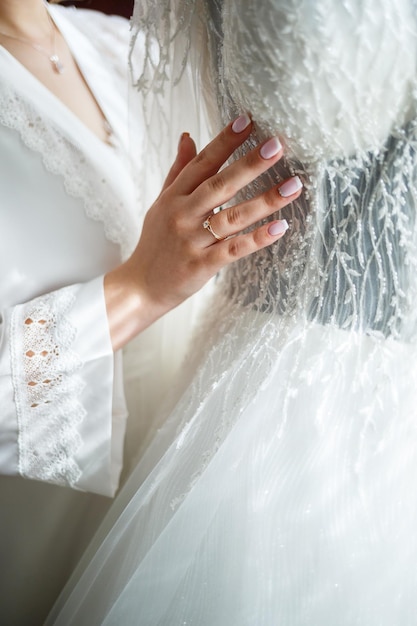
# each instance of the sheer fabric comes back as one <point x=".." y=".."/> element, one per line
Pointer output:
<point x="280" y="489"/>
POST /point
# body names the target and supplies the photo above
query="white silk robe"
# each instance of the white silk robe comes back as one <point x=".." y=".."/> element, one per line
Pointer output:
<point x="67" y="216"/>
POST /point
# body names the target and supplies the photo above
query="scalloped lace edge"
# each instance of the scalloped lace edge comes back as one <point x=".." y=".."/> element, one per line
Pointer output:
<point x="63" y="158"/>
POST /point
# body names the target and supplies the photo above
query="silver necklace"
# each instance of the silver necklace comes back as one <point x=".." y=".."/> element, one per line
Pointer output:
<point x="54" y="59"/>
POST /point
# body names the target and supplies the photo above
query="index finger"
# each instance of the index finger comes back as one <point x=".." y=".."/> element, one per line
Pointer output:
<point x="214" y="155"/>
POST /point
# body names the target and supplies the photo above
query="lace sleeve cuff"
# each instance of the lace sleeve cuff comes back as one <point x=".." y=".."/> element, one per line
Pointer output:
<point x="47" y="388"/>
<point x="62" y="375"/>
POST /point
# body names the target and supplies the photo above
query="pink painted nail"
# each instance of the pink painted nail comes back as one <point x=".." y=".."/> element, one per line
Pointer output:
<point x="270" y="148"/>
<point x="183" y="136"/>
<point x="278" y="228"/>
<point x="290" y="186"/>
<point x="241" y="123"/>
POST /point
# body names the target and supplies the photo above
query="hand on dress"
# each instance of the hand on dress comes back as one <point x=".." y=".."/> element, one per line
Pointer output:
<point x="183" y="244"/>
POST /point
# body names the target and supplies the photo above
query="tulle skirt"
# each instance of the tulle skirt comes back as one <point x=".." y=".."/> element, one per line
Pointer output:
<point x="280" y="490"/>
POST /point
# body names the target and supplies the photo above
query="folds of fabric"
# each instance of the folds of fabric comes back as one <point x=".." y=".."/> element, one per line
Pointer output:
<point x="62" y="226"/>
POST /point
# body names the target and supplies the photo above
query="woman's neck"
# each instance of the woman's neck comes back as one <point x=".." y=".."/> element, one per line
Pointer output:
<point x="25" y="18"/>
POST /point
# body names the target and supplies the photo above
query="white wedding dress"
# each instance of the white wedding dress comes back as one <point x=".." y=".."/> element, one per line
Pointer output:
<point x="280" y="490"/>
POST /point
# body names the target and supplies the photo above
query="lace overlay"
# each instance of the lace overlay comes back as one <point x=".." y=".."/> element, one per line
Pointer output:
<point x="47" y="389"/>
<point x="349" y="259"/>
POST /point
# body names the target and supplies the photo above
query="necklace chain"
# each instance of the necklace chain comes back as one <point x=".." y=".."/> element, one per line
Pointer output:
<point x="53" y="57"/>
<point x="58" y="67"/>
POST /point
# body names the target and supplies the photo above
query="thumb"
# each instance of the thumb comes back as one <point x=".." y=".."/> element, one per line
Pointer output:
<point x="186" y="152"/>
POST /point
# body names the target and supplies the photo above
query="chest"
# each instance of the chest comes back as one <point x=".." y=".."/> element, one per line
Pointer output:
<point x="69" y="85"/>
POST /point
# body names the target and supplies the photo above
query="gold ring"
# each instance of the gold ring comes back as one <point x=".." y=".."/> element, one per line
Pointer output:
<point x="207" y="225"/>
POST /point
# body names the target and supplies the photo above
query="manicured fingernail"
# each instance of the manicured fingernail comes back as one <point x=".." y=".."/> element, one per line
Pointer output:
<point x="278" y="228"/>
<point x="290" y="186"/>
<point x="270" y="148"/>
<point x="182" y="137"/>
<point x="241" y="123"/>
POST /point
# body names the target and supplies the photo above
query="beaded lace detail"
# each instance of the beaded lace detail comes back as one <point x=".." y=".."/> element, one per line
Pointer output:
<point x="349" y="260"/>
<point x="349" y="257"/>
<point x="47" y="392"/>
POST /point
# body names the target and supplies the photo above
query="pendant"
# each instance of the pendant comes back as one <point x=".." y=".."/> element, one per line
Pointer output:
<point x="56" y="64"/>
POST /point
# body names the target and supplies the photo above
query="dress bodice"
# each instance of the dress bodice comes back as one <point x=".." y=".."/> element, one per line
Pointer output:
<point x="331" y="77"/>
<point x="337" y="82"/>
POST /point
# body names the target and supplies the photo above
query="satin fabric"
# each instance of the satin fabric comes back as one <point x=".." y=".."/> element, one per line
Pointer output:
<point x="49" y="241"/>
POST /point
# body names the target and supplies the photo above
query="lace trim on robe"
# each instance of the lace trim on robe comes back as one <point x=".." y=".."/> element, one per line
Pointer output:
<point x="47" y="388"/>
<point x="61" y="157"/>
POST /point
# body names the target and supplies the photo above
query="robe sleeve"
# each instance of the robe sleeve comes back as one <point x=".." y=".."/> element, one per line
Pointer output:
<point x="57" y="422"/>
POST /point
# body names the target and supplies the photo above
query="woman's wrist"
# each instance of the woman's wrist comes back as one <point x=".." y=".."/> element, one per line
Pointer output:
<point x="129" y="310"/>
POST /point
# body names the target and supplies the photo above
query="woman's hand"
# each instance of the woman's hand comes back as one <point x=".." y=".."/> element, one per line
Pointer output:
<point x="183" y="244"/>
